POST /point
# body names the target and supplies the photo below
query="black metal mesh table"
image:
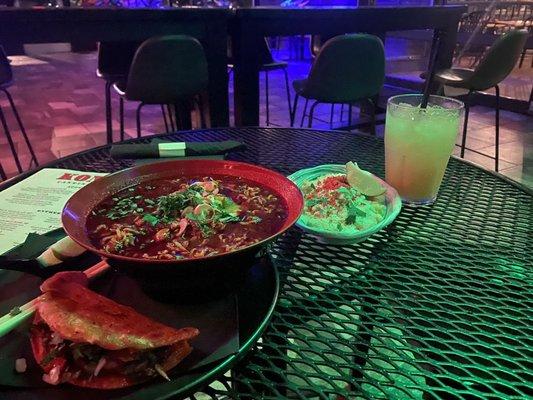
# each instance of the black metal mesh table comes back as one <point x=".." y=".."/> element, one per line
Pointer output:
<point x="438" y="306"/>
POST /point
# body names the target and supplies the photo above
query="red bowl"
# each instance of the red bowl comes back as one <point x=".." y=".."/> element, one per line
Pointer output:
<point x="78" y="207"/>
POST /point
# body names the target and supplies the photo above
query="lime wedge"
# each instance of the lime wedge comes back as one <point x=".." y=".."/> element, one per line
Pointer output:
<point x="363" y="181"/>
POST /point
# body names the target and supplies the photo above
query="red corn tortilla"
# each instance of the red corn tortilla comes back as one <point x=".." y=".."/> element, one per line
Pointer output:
<point x="80" y="315"/>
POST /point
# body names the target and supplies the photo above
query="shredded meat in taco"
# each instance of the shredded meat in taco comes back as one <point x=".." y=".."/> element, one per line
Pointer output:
<point x="85" y="339"/>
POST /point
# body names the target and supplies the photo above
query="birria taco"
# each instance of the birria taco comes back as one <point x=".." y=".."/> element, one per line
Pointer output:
<point x="85" y="339"/>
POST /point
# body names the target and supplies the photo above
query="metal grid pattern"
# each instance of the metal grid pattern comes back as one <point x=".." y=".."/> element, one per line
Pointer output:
<point x="439" y="306"/>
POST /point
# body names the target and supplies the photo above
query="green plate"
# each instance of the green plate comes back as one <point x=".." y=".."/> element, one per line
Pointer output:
<point x="392" y="202"/>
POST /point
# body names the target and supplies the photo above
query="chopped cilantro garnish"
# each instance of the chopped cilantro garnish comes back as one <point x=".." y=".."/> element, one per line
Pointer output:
<point x="49" y="357"/>
<point x="169" y="206"/>
<point x="353" y="212"/>
<point x="350" y="219"/>
<point x="123" y="207"/>
<point x="316" y="200"/>
<point x="228" y="218"/>
<point x="15" y="311"/>
<point x="151" y="219"/>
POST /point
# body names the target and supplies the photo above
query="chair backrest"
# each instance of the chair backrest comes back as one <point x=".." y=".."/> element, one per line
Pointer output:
<point x="114" y="58"/>
<point x="167" y="69"/>
<point x="470" y="21"/>
<point x="348" y="68"/>
<point x="265" y="54"/>
<point x="499" y="60"/>
<point x="6" y="73"/>
<point x="315" y="44"/>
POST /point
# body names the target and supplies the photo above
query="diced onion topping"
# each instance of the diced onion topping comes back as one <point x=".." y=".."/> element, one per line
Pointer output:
<point x="53" y="376"/>
<point x="161" y="372"/>
<point x="99" y="366"/>
<point x="21" y="365"/>
<point x="56" y="339"/>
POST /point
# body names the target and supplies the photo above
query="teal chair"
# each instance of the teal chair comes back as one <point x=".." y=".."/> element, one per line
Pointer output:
<point x="348" y="69"/>
<point x="165" y="70"/>
<point x="494" y="67"/>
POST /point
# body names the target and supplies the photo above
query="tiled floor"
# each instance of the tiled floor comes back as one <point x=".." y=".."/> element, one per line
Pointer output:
<point x="61" y="102"/>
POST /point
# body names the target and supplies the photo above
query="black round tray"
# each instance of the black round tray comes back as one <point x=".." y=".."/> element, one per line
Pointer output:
<point x="254" y="302"/>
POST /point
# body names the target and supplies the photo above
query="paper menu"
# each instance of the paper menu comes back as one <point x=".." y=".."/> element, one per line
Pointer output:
<point x="35" y="204"/>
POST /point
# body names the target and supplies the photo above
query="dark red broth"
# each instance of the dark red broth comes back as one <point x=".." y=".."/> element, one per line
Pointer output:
<point x="185" y="218"/>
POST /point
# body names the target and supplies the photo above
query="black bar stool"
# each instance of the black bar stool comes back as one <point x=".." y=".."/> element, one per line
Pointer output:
<point x="114" y="60"/>
<point x="528" y="24"/>
<point x="166" y="70"/>
<point x="496" y="65"/>
<point x="348" y="69"/>
<point x="268" y="63"/>
<point x="6" y="81"/>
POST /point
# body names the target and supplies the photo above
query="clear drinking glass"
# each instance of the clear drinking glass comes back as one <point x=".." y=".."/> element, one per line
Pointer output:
<point x="418" y="144"/>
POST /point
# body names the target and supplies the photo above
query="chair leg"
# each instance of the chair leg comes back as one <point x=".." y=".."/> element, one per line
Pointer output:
<point x="164" y="118"/>
<point x="183" y="114"/>
<point x="266" y="99"/>
<point x="177" y="118"/>
<point x="287" y="87"/>
<point x="3" y="175"/>
<point x="108" y="115"/>
<point x="293" y="112"/>
<point x="497" y="117"/>
<point x="311" y="114"/>
<point x="203" y="119"/>
<point x="465" y="126"/>
<point x="21" y="126"/>
<point x="372" y="110"/>
<point x="522" y="56"/>
<point x="201" y="112"/>
<point x="10" y="141"/>
<point x="331" y="116"/>
<point x="121" y="117"/>
<point x="172" y="120"/>
<point x="303" y="114"/>
<point x="342" y="113"/>
<point x="349" y="115"/>
<point x="138" y="115"/>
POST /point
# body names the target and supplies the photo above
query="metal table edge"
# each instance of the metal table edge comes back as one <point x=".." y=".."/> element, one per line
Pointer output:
<point x="4" y="185"/>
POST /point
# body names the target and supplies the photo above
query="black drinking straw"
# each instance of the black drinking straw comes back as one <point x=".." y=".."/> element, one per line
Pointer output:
<point x="431" y="69"/>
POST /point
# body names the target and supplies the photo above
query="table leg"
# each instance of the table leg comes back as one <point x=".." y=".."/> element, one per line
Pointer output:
<point x="446" y="46"/>
<point x="246" y="78"/>
<point x="182" y="111"/>
<point x="108" y="113"/>
<point x="216" y="108"/>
